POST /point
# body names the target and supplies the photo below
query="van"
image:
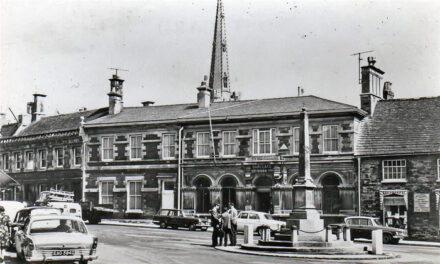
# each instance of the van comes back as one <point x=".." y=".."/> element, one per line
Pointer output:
<point x="68" y="208"/>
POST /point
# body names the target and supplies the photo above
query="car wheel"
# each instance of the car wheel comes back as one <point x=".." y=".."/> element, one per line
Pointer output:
<point x="192" y="227"/>
<point x="387" y="238"/>
<point x="204" y="229"/>
<point x="163" y="225"/>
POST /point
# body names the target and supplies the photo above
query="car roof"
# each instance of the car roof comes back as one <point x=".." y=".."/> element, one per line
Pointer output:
<point x="364" y="217"/>
<point x="39" y="207"/>
<point x="253" y="212"/>
<point x="54" y="217"/>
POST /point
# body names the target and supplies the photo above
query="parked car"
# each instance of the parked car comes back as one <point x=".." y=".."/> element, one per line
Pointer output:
<point x="55" y="238"/>
<point x="361" y="227"/>
<point x="258" y="220"/>
<point x="67" y="208"/>
<point x="176" y="218"/>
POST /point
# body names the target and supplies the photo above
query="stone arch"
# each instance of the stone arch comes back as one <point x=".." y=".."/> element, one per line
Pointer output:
<point x="211" y="180"/>
<point x="259" y="178"/>
<point x="321" y="177"/>
<point x="222" y="177"/>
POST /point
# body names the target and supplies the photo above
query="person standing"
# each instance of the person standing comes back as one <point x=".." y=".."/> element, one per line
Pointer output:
<point x="4" y="233"/>
<point x="226" y="220"/>
<point x="215" y="223"/>
<point x="234" y="215"/>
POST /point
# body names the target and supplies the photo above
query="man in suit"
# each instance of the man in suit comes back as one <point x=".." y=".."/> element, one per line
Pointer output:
<point x="215" y="223"/>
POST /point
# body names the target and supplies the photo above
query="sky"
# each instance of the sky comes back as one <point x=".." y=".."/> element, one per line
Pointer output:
<point x="64" y="49"/>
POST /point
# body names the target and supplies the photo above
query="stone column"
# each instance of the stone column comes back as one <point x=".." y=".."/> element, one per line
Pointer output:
<point x="189" y="196"/>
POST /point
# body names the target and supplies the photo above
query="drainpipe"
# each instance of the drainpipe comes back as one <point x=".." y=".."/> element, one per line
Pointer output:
<point x="359" y="185"/>
<point x="179" y="169"/>
<point x="83" y="159"/>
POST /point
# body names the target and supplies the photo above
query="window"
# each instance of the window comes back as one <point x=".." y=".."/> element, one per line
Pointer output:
<point x="107" y="148"/>
<point x="134" y="195"/>
<point x="77" y="156"/>
<point x="229" y="143"/>
<point x="168" y="146"/>
<point x="202" y="144"/>
<point x="264" y="141"/>
<point x="330" y="134"/>
<point x="106" y="192"/>
<point x="5" y="161"/>
<point x="60" y="157"/>
<point x="394" y="170"/>
<point x="43" y="158"/>
<point x="136" y="147"/>
<point x="438" y="169"/>
<point x="296" y="140"/>
<point x="29" y="160"/>
<point x="17" y="157"/>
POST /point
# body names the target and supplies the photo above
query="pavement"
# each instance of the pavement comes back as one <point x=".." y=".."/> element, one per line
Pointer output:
<point x="148" y="223"/>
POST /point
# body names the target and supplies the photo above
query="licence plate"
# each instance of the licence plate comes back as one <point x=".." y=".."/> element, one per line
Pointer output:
<point x="63" y="253"/>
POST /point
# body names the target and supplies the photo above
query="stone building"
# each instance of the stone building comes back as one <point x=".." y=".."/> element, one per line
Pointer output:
<point x="40" y="152"/>
<point x="399" y="152"/>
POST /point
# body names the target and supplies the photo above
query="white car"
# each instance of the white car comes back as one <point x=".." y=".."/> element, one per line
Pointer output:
<point x="67" y="208"/>
<point x="55" y="238"/>
<point x="258" y="219"/>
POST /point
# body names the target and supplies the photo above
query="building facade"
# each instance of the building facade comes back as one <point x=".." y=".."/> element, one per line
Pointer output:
<point x="399" y="152"/>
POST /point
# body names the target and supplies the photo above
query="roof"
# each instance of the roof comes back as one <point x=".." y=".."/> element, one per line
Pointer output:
<point x="401" y="126"/>
<point x="59" y="123"/>
<point x="6" y="180"/>
<point x="8" y="130"/>
<point x="229" y="109"/>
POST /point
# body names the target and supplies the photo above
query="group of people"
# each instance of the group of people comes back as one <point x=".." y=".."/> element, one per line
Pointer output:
<point x="224" y="225"/>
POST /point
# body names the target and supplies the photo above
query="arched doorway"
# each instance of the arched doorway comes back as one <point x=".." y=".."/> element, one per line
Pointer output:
<point x="263" y="197"/>
<point x="331" y="202"/>
<point x="228" y="191"/>
<point x="202" y="195"/>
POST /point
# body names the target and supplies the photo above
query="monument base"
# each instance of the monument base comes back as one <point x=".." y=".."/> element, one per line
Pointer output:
<point x="309" y="224"/>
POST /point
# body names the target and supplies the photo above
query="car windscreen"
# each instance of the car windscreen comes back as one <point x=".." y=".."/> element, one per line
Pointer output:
<point x="268" y="216"/>
<point x="57" y="225"/>
<point x="377" y="221"/>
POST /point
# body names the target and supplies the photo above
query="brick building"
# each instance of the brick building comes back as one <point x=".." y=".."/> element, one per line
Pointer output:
<point x="399" y="151"/>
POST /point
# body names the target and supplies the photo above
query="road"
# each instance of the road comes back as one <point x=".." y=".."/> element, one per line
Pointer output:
<point x="120" y="244"/>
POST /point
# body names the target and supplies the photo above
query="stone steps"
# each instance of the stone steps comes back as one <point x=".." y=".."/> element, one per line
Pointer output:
<point x="349" y="250"/>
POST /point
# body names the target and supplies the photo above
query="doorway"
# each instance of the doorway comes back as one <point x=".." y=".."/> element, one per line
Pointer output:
<point x="228" y="191"/>
<point x="167" y="195"/>
<point x="331" y="202"/>
<point x="263" y="197"/>
<point x="203" y="203"/>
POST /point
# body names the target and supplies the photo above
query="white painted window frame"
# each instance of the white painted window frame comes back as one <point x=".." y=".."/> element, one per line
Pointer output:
<point x="18" y="159"/>
<point x="5" y="160"/>
<point x="40" y="160"/>
<point x="74" y="156"/>
<point x="101" y="193"/>
<point x="295" y="132"/>
<point x="256" y="141"/>
<point x="198" y="144"/>
<point x="438" y="169"/>
<point x="128" y="181"/>
<point x="57" y="157"/>
<point x="403" y="171"/>
<point x="165" y="146"/>
<point x="233" y="143"/>
<point x="131" y="146"/>
<point x="324" y="139"/>
<point x="103" y="138"/>
<point x="26" y="155"/>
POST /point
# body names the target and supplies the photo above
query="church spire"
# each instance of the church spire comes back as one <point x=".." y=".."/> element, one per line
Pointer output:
<point x="219" y="74"/>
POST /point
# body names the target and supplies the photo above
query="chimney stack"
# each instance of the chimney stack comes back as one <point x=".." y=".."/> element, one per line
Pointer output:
<point x="371" y="86"/>
<point x="388" y="93"/>
<point x="37" y="106"/>
<point x="3" y="120"/>
<point x="204" y="94"/>
<point x="147" y="103"/>
<point x="115" y="103"/>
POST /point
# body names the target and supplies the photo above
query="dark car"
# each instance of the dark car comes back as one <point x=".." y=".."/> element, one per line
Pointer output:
<point x="176" y="218"/>
<point x="361" y="227"/>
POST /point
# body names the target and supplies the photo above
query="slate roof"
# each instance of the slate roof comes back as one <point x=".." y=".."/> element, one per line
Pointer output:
<point x="59" y="123"/>
<point x="230" y="110"/>
<point x="401" y="126"/>
<point x="9" y="129"/>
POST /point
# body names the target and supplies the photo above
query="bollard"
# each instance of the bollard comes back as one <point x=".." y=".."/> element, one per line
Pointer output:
<point x="248" y="234"/>
<point x="347" y="234"/>
<point x="339" y="233"/>
<point x="266" y="234"/>
<point x="328" y="234"/>
<point x="377" y="242"/>
<point x="294" y="234"/>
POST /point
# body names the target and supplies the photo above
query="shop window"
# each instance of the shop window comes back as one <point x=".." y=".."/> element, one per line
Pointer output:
<point x="43" y="158"/>
<point x="135" y="147"/>
<point x="168" y="146"/>
<point x="107" y="148"/>
<point x="106" y="192"/>
<point x="330" y="136"/>
<point x="229" y="143"/>
<point x="134" y="195"/>
<point x="60" y="157"/>
<point x="264" y="141"/>
<point x="5" y="161"/>
<point x="394" y="170"/>
<point x="77" y="156"/>
<point x="202" y="144"/>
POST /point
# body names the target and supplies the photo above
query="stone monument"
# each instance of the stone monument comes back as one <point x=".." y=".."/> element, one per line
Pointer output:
<point x="304" y="215"/>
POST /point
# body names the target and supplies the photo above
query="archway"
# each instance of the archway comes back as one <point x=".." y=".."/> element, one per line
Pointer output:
<point x="263" y="198"/>
<point x="228" y="191"/>
<point x="202" y="194"/>
<point x="331" y="202"/>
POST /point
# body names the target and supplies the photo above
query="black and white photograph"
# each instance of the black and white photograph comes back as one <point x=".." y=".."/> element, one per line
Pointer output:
<point x="219" y="131"/>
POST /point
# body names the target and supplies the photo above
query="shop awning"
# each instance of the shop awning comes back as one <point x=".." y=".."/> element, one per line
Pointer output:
<point x="6" y="180"/>
<point x="394" y="200"/>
